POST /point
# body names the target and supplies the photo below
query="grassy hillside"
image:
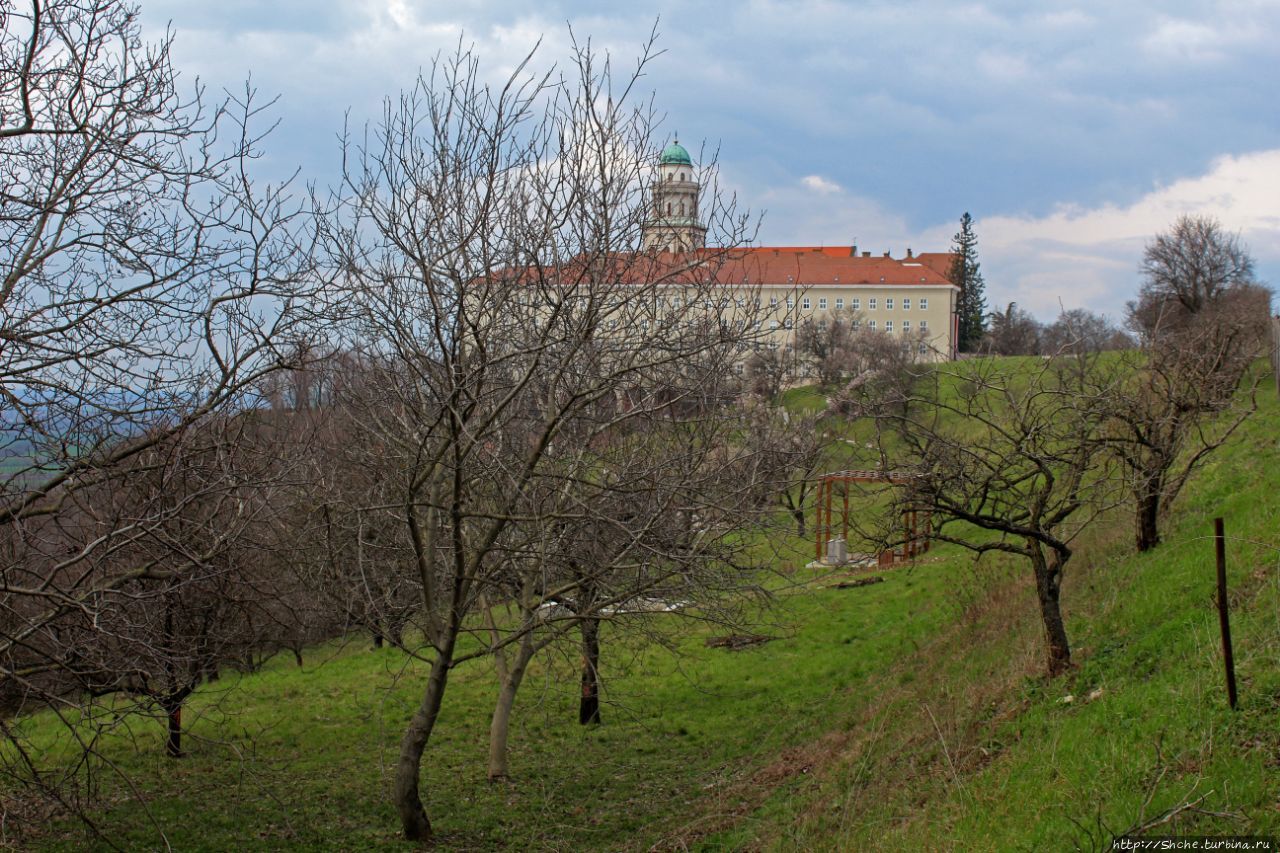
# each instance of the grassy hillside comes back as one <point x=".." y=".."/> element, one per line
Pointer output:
<point x="906" y="714"/>
<point x="978" y="752"/>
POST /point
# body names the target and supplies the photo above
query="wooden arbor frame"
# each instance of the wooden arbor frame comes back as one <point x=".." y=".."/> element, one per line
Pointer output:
<point x="914" y="541"/>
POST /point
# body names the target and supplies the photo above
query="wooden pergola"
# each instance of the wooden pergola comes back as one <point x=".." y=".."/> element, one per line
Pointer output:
<point x="914" y="541"/>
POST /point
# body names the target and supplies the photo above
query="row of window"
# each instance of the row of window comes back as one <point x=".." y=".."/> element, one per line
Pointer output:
<point x="856" y="303"/>
<point x="888" y="325"/>
<point x="741" y="324"/>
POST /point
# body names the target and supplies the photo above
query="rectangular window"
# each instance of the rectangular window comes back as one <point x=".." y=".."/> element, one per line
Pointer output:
<point x="871" y="324"/>
<point x="839" y="303"/>
<point x="888" y="303"/>
<point x="787" y="322"/>
<point x="923" y="349"/>
<point x="822" y="304"/>
<point x="855" y="303"/>
<point x="806" y="305"/>
<point x="791" y="303"/>
<point x="871" y="304"/>
<point x="857" y="324"/>
<point x="757" y="301"/>
<point x="906" y="303"/>
<point x="773" y="325"/>
<point x="906" y="326"/>
<point x="888" y="325"/>
<point x="924" y="303"/>
<point x="773" y="302"/>
<point x="924" y="324"/>
<point x="742" y="303"/>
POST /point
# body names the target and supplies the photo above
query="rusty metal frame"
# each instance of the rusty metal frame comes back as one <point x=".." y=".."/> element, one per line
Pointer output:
<point x="914" y="541"/>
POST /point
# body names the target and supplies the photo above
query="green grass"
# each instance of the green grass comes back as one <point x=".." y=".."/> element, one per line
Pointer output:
<point x="906" y="715"/>
<point x="804" y="399"/>
<point x="303" y="757"/>
<point x="986" y="755"/>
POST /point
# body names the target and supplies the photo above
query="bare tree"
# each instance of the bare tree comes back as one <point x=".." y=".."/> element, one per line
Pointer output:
<point x="767" y="370"/>
<point x="879" y="370"/>
<point x="146" y="283"/>
<point x="825" y="343"/>
<point x="540" y="378"/>
<point x="794" y="443"/>
<point x="1169" y="408"/>
<point x="1194" y="263"/>
<point x="1081" y="330"/>
<point x="1003" y="458"/>
<point x="212" y="594"/>
<point x="1201" y="321"/>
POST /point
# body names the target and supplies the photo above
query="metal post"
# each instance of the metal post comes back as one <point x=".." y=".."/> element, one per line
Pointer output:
<point x="1228" y="659"/>
<point x="831" y="496"/>
<point x="817" y="521"/>
<point x="911" y="534"/>
<point x="845" y="517"/>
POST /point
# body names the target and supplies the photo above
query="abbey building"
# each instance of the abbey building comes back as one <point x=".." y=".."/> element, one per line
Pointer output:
<point x="908" y="296"/>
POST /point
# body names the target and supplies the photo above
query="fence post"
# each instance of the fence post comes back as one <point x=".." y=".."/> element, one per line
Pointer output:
<point x="1228" y="658"/>
<point x="1275" y="350"/>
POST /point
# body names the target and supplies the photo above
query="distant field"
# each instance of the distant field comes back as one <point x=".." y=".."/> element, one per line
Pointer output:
<point x="905" y="715"/>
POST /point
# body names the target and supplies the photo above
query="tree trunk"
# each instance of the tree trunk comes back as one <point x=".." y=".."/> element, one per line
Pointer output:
<point x="377" y="639"/>
<point x="395" y="630"/>
<point x="173" y="711"/>
<point x="1148" y="520"/>
<point x="1048" y="587"/>
<point x="798" y="514"/>
<point x="589" y="704"/>
<point x="501" y="722"/>
<point x="297" y="656"/>
<point x="405" y="792"/>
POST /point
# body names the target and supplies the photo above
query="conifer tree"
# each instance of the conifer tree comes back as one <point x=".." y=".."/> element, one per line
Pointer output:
<point x="965" y="274"/>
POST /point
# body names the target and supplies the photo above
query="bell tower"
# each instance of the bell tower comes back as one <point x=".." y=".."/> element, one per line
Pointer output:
<point x="673" y="224"/>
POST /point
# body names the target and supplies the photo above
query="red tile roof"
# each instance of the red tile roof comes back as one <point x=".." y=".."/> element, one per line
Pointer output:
<point x="827" y="265"/>
<point x="789" y="266"/>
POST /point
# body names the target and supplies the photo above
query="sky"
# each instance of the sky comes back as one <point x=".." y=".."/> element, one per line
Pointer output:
<point x="1072" y="133"/>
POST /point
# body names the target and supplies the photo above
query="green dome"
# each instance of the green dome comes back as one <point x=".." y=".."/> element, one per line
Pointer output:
<point x="674" y="154"/>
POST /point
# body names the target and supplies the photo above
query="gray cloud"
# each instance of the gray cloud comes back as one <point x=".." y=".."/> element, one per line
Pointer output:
<point x="916" y="111"/>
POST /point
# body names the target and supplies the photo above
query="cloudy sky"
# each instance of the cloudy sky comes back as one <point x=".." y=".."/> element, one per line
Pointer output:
<point x="1072" y="133"/>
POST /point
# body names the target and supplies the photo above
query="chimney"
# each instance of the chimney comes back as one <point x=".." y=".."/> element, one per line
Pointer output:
<point x="866" y="254"/>
<point x="909" y="255"/>
<point x="886" y="254"/>
<point x="853" y="250"/>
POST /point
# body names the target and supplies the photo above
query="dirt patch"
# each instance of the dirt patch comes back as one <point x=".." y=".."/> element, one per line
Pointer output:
<point x="737" y="642"/>
<point x="857" y="582"/>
